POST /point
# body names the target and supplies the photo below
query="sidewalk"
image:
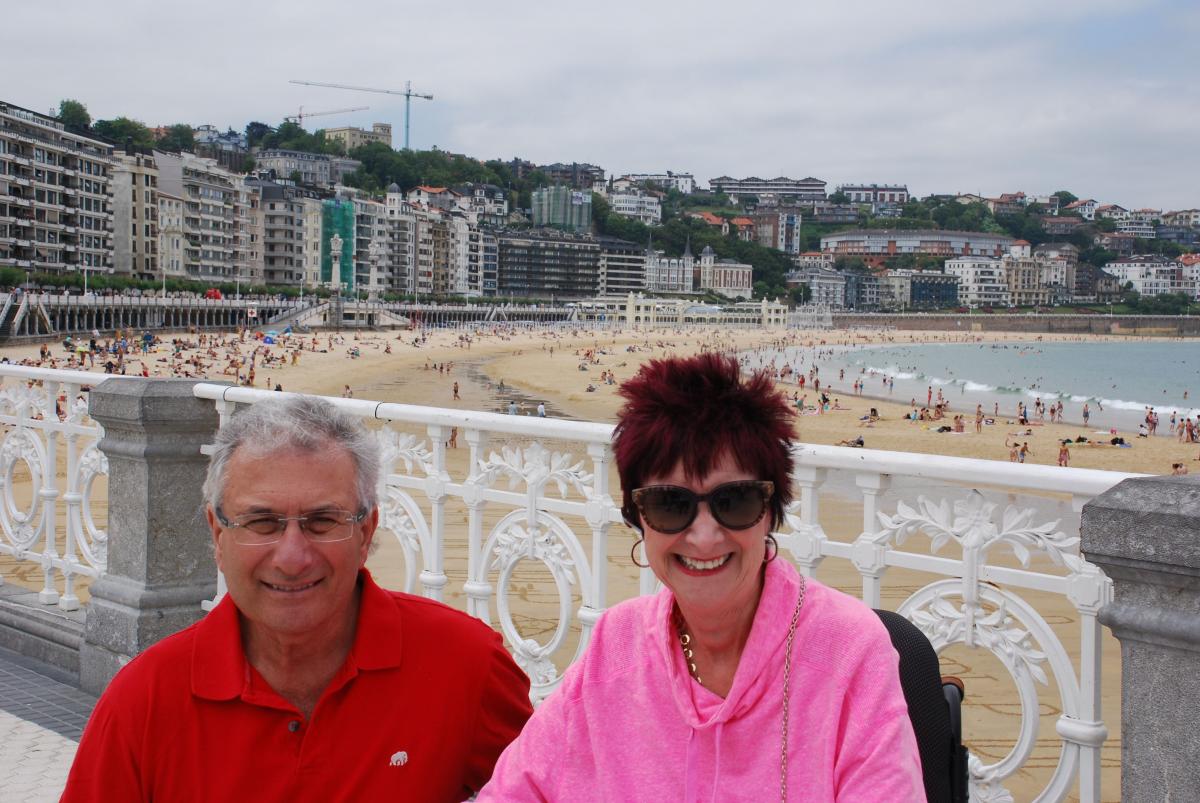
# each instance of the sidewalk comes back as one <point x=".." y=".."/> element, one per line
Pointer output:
<point x="41" y="720"/>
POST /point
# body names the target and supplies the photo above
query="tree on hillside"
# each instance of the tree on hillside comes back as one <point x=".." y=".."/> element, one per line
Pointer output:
<point x="123" y="128"/>
<point x="839" y="197"/>
<point x="255" y="131"/>
<point x="74" y="116"/>
<point x="179" y="137"/>
<point x="1065" y="198"/>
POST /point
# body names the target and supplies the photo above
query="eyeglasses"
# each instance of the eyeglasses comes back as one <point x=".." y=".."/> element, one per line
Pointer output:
<point x="671" y="509"/>
<point x="320" y="526"/>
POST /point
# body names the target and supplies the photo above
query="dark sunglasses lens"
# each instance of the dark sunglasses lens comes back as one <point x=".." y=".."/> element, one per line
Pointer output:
<point x="668" y="510"/>
<point x="737" y="506"/>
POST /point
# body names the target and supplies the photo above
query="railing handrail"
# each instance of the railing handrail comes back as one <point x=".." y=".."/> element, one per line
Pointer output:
<point x="525" y="425"/>
<point x="55" y="374"/>
<point x="1023" y="476"/>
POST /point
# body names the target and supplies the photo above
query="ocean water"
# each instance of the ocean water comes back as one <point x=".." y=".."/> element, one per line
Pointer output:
<point x="1118" y="380"/>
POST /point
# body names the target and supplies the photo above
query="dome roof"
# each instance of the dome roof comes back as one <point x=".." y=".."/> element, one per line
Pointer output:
<point x="393" y="187"/>
<point x="708" y="252"/>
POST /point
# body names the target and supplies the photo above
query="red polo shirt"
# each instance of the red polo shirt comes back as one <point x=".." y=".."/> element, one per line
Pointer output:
<point x="421" y="709"/>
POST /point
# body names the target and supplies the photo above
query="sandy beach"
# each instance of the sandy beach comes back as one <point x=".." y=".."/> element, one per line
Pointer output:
<point x="493" y="369"/>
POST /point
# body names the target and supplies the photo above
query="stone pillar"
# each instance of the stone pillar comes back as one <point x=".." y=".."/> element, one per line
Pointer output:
<point x="1145" y="534"/>
<point x="160" y="561"/>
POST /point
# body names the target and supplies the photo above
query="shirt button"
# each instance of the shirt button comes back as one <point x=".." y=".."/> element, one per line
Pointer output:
<point x="294" y="725"/>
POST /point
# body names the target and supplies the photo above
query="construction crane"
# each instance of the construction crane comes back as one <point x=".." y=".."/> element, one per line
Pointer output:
<point x="408" y="95"/>
<point x="299" y="118"/>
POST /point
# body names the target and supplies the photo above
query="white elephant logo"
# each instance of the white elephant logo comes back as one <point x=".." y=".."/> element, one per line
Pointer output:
<point x="399" y="759"/>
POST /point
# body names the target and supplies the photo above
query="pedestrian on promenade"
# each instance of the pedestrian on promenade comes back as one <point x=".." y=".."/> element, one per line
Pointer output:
<point x="308" y="681"/>
<point x="740" y="679"/>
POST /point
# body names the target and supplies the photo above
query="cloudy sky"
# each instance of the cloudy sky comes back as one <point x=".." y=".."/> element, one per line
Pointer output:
<point x="1101" y="97"/>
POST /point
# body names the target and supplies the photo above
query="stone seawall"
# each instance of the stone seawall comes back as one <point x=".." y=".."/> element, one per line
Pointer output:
<point x="1160" y="325"/>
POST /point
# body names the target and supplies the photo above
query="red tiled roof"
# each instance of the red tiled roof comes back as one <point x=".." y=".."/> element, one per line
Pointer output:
<point x="742" y="221"/>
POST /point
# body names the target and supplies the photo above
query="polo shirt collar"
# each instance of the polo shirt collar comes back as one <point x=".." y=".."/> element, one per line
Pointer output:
<point x="219" y="667"/>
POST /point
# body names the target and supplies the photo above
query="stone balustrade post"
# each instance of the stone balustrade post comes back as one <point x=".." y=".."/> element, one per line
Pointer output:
<point x="1145" y="534"/>
<point x="160" y="560"/>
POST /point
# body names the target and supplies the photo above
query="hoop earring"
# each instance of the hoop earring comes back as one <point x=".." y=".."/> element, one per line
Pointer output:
<point x="773" y="553"/>
<point x="633" y="555"/>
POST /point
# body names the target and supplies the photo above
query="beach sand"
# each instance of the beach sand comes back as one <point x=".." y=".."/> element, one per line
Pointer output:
<point x="546" y="367"/>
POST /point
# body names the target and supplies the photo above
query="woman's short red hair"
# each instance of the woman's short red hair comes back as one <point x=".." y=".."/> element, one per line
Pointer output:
<point x="693" y="410"/>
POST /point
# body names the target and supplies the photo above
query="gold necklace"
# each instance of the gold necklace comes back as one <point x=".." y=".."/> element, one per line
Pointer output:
<point x="685" y="641"/>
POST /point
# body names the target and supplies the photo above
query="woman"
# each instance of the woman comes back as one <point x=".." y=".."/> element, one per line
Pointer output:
<point x="740" y="680"/>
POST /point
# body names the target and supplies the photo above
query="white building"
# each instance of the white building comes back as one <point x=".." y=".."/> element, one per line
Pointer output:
<point x="170" y="235"/>
<point x="683" y="182"/>
<point x="638" y="206"/>
<point x="875" y="194"/>
<point x="1153" y="275"/>
<point x="209" y="197"/>
<point x="981" y="281"/>
<point x="54" y="195"/>
<point x="1138" y="228"/>
<point x="1183" y="217"/>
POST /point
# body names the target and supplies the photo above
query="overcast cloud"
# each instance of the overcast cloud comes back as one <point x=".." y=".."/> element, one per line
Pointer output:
<point x="1101" y="97"/>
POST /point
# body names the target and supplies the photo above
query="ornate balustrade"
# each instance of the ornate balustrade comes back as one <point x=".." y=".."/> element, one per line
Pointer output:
<point x="43" y="523"/>
<point x="1014" y="527"/>
<point x="983" y="556"/>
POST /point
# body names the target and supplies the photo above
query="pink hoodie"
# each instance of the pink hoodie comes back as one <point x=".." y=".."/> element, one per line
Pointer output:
<point x="628" y="722"/>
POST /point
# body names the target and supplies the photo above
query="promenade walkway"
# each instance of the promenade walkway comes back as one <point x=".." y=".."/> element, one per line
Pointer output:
<point x="41" y="720"/>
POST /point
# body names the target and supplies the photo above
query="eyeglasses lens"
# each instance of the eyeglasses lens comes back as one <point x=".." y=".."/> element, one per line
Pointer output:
<point x="670" y="510"/>
<point x="736" y="506"/>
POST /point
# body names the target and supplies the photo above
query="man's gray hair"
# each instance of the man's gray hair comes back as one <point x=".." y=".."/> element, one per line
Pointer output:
<point x="304" y="423"/>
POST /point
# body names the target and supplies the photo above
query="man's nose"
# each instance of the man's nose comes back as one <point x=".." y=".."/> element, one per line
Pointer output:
<point x="293" y="551"/>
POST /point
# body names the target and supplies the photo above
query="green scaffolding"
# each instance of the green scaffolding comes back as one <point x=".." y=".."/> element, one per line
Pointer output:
<point x="337" y="217"/>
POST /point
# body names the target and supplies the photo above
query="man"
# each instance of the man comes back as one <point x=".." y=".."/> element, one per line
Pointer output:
<point x="307" y="681"/>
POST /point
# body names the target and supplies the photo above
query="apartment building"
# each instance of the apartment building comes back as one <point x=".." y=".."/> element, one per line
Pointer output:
<point x="682" y="182"/>
<point x="812" y="259"/>
<point x="622" y="267"/>
<point x="875" y="194"/>
<point x="304" y="168"/>
<point x="248" y="232"/>
<point x="134" y="189"/>
<point x="171" y="255"/>
<point x="639" y="206"/>
<point x="209" y="194"/>
<point x="486" y="204"/>
<point x="1152" y="275"/>
<point x="805" y="189"/>
<point x="916" y="289"/>
<point x="981" y="281"/>
<point x="54" y="196"/>
<point x="282" y="210"/>
<point x="778" y="228"/>
<point x="352" y="137"/>
<point x="577" y="175"/>
<point x="1182" y="217"/>
<point x="1134" y="227"/>
<point x="826" y="286"/>
<point x="402" y="229"/>
<point x="545" y="264"/>
<point x="933" y="242"/>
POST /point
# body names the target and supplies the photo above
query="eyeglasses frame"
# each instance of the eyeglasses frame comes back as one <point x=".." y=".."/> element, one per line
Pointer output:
<point x="766" y="487"/>
<point x="282" y="524"/>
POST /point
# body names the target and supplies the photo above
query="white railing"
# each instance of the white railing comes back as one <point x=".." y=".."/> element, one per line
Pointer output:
<point x="968" y="504"/>
<point x="42" y="523"/>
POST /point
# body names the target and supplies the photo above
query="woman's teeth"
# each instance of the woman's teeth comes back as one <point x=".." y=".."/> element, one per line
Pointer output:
<point x="703" y="565"/>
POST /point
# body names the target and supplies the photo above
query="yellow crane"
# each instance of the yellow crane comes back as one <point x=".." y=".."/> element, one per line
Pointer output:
<point x="407" y="94"/>
<point x="299" y="117"/>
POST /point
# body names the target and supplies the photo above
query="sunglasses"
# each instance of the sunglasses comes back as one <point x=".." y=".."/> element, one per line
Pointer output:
<point x="671" y="509"/>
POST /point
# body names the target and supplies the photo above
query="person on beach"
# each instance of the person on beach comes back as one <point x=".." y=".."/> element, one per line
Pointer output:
<point x="741" y="679"/>
<point x="1086" y="414"/>
<point x="1064" y="453"/>
<point x="1024" y="452"/>
<point x="307" y="681"/>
